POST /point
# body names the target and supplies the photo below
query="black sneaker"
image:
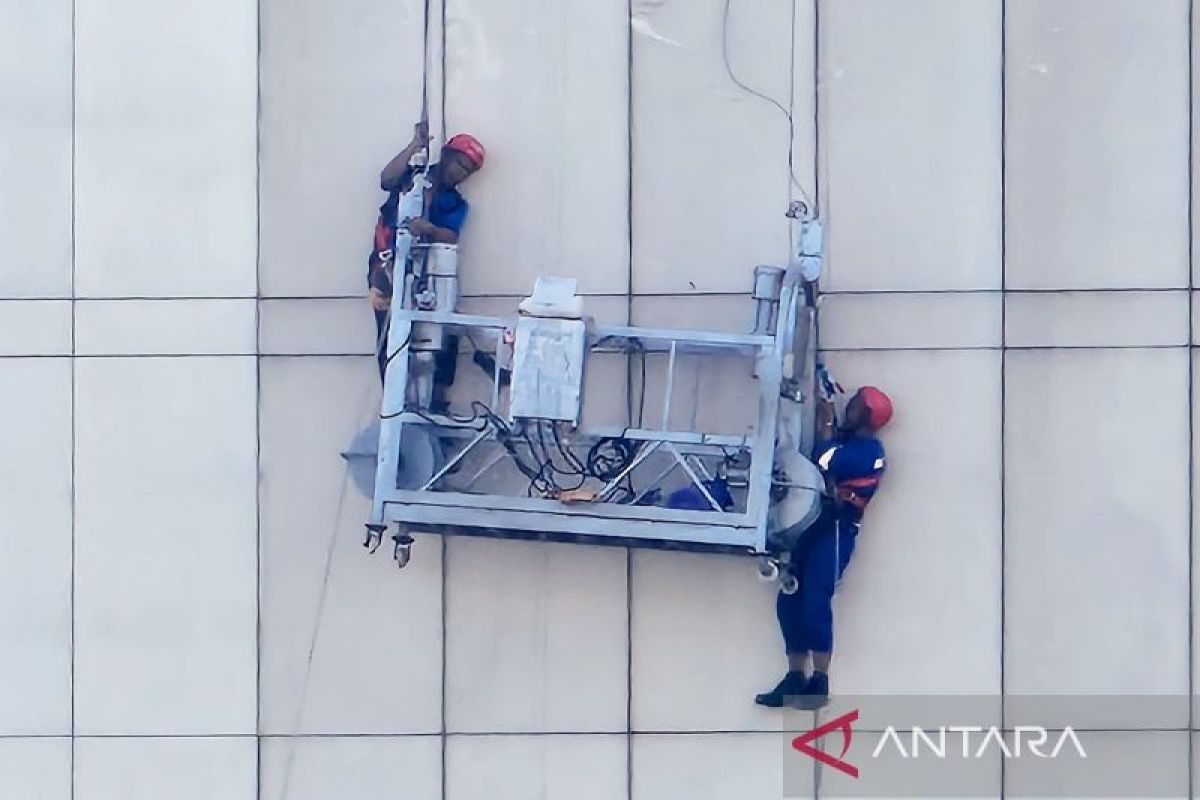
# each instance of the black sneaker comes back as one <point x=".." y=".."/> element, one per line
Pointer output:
<point x="815" y="693"/>
<point x="787" y="690"/>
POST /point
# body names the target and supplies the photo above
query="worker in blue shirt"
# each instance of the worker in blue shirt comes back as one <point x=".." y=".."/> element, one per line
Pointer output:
<point x="445" y="213"/>
<point x="852" y="461"/>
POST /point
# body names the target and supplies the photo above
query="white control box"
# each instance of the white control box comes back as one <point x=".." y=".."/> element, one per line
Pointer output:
<point x="547" y="373"/>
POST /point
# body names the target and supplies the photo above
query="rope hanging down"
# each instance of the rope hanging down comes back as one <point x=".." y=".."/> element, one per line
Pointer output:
<point x="318" y="620"/>
<point x="750" y="90"/>
<point x="335" y="528"/>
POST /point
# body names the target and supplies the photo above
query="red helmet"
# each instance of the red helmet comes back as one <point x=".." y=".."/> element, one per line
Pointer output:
<point x="878" y="405"/>
<point x="469" y="146"/>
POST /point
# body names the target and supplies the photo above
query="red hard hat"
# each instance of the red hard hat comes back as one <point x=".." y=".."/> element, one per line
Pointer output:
<point x="469" y="146"/>
<point x="879" y="407"/>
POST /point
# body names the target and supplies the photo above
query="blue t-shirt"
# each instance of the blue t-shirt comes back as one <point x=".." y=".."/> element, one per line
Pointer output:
<point x="447" y="208"/>
<point x="854" y="465"/>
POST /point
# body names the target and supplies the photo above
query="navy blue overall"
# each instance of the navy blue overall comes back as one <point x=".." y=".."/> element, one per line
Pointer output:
<point x="854" y="465"/>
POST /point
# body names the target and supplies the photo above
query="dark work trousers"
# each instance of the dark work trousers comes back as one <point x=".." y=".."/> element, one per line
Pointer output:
<point x="818" y="561"/>
<point x="381" y="349"/>
<point x="445" y="363"/>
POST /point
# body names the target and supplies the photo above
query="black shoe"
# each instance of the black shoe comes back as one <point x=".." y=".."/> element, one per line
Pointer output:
<point x="788" y="689"/>
<point x="815" y="694"/>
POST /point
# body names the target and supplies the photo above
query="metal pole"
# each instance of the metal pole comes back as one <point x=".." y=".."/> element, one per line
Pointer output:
<point x="695" y="478"/>
<point x="457" y="458"/>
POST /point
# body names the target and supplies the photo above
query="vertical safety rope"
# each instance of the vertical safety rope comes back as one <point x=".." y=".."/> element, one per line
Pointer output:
<point x="319" y="619"/>
<point x="335" y="527"/>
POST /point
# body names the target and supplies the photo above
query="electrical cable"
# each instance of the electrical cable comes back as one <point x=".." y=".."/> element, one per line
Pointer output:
<point x="475" y="417"/>
<point x="538" y="480"/>
<point x="505" y="436"/>
<point x="628" y="388"/>
<point x="544" y="456"/>
<point x="606" y="459"/>
<point x="567" y="454"/>
<point x="570" y="472"/>
<point x="765" y="97"/>
<point x="607" y="466"/>
<point x="548" y="485"/>
<point x="416" y="412"/>
<point x="633" y="347"/>
<point x="403" y="345"/>
<point x="822" y="153"/>
<point x="642" y="387"/>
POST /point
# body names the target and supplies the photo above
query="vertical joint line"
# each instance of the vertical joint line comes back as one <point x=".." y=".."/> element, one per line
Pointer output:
<point x="1191" y="382"/>
<point x="258" y="626"/>
<point x="71" y="403"/>
<point x="791" y="116"/>
<point x="629" y="672"/>
<point x="445" y="555"/>
<point x="445" y="545"/>
<point x="629" y="392"/>
<point x="629" y="167"/>
<point x="443" y="68"/>
<point x="1003" y="488"/>
<point x="445" y="739"/>
<point x="816" y="44"/>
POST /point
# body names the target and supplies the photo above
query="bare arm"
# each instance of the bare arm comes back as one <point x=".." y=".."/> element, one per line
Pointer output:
<point x="826" y="419"/>
<point x="391" y="178"/>
<point x="432" y="233"/>
<point x="826" y="429"/>
<point x="442" y="235"/>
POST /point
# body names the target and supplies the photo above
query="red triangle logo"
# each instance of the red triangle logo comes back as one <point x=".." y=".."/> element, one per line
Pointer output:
<point x="842" y="723"/>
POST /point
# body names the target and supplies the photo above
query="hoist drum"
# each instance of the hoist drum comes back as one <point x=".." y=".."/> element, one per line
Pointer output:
<point x="801" y="485"/>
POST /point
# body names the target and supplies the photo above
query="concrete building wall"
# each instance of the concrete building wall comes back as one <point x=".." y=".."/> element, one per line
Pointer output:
<point x="188" y="191"/>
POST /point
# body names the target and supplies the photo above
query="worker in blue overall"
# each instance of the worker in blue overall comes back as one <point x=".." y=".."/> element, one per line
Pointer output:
<point x="445" y="213"/>
<point x="852" y="461"/>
